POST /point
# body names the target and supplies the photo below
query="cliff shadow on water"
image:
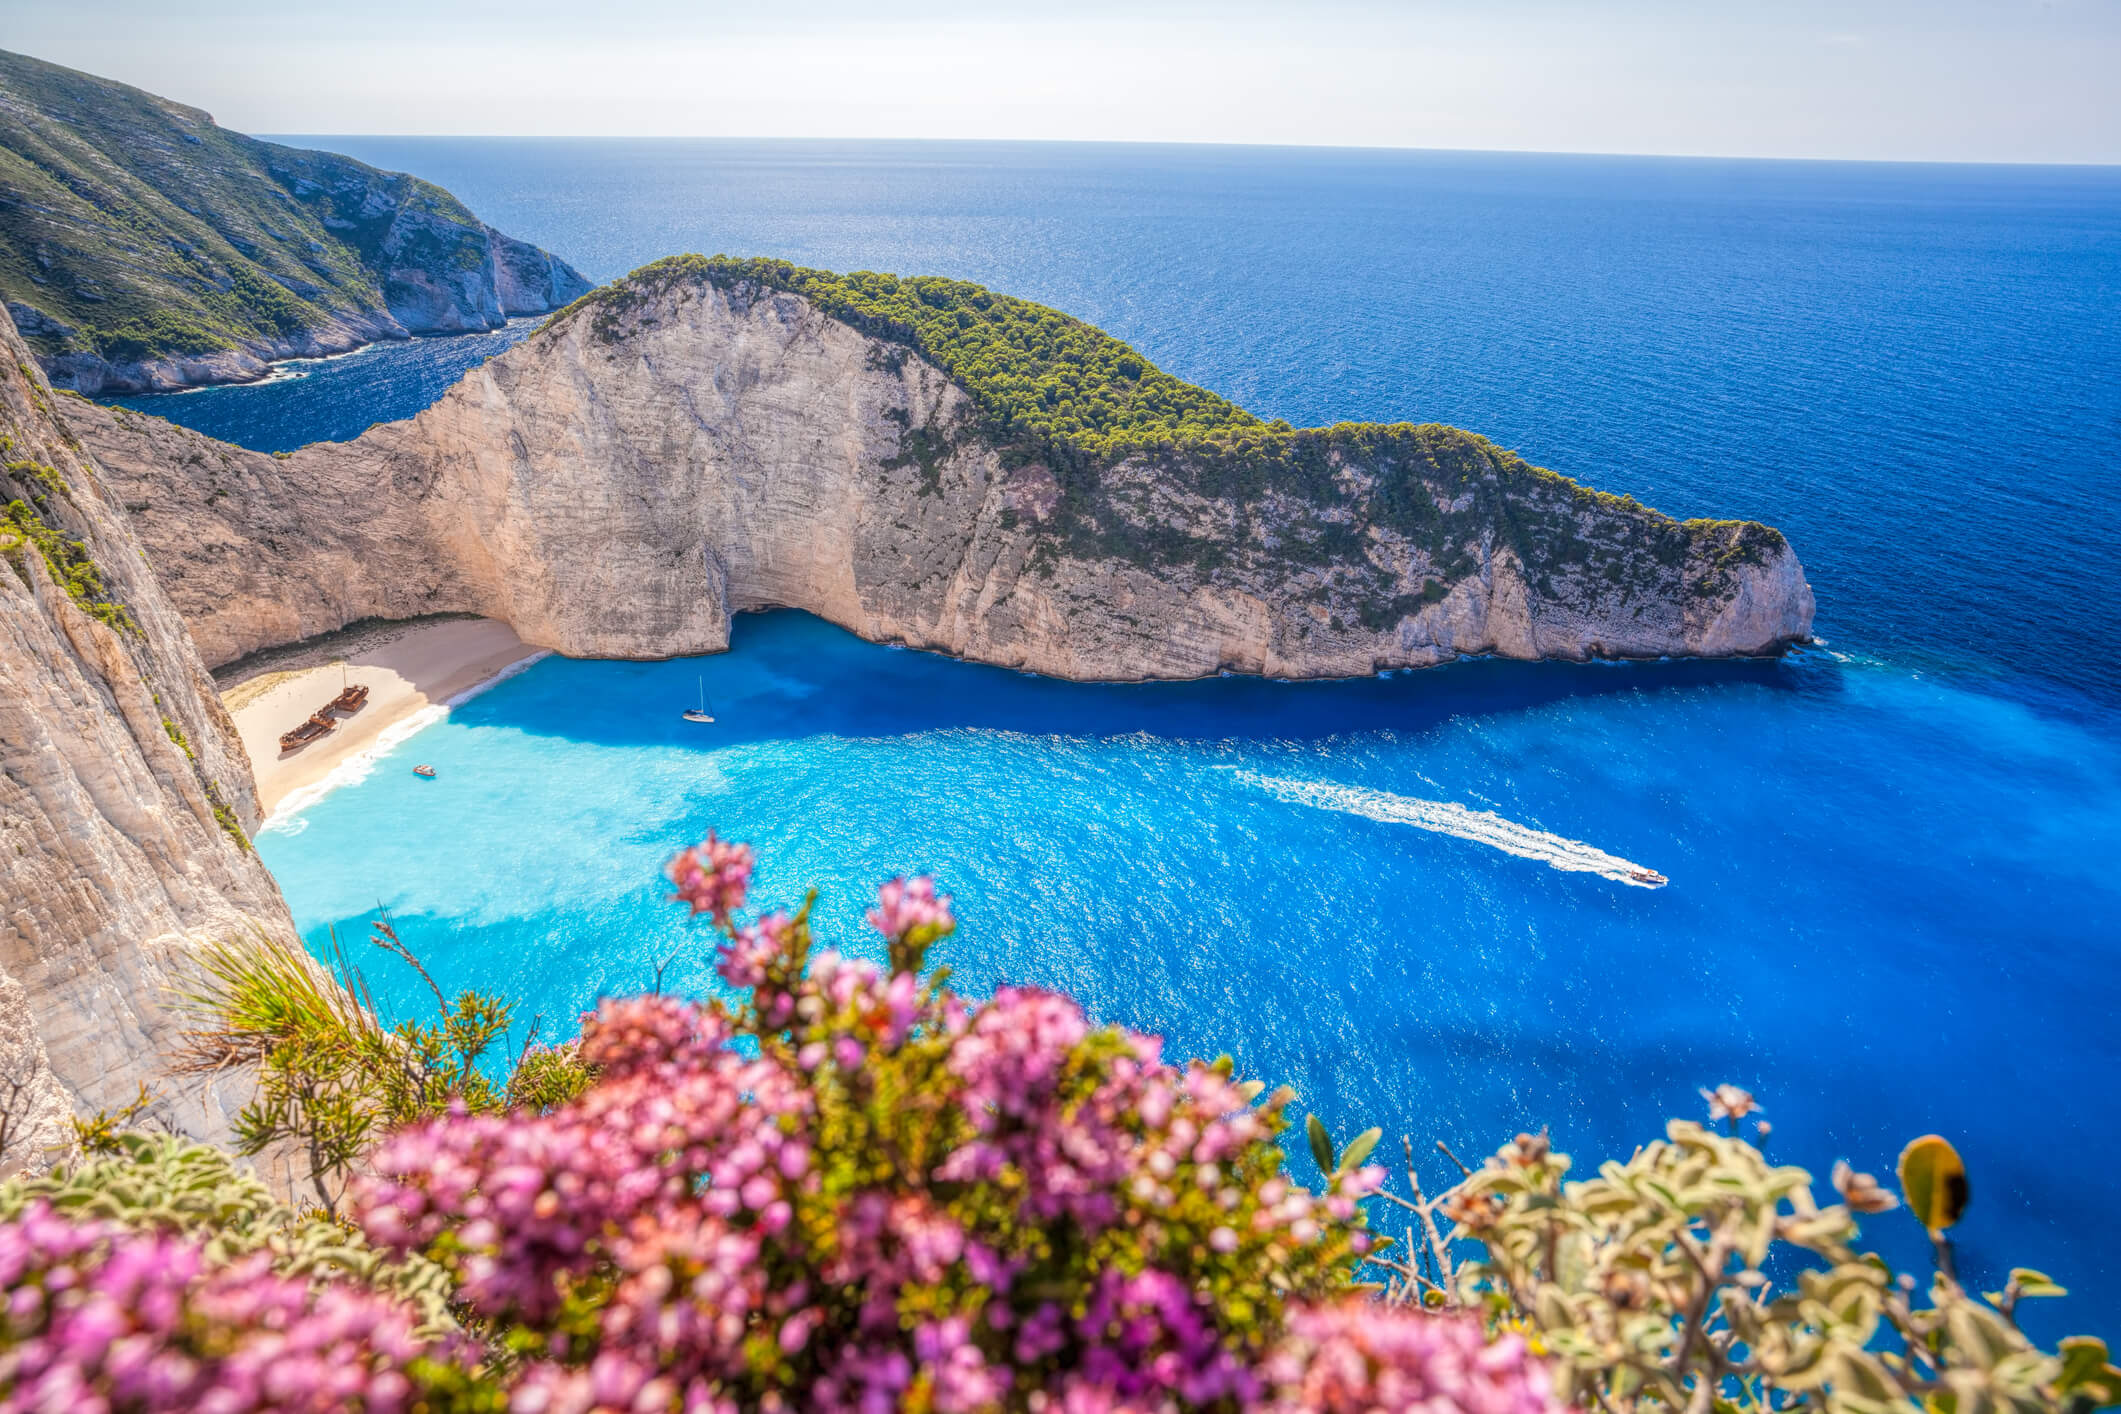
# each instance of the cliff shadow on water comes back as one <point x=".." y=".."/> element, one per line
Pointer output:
<point x="789" y="674"/>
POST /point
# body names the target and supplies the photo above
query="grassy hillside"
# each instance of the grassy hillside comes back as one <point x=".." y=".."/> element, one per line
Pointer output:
<point x="136" y="228"/>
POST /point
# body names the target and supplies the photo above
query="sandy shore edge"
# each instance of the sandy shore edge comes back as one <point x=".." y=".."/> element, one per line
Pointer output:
<point x="415" y="672"/>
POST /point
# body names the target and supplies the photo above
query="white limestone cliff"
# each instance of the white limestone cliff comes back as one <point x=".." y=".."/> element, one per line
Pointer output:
<point x="620" y="487"/>
<point x="124" y="798"/>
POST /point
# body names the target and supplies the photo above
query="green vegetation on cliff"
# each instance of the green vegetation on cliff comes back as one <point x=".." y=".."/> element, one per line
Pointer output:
<point x="1054" y="390"/>
<point x="1036" y="372"/>
<point x="27" y="493"/>
<point x="133" y="228"/>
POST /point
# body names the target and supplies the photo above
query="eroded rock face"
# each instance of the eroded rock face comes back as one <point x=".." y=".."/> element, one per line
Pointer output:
<point x="618" y="486"/>
<point x="530" y="280"/>
<point x="125" y="798"/>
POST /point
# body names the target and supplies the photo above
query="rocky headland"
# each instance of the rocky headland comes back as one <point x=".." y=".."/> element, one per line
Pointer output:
<point x="922" y="461"/>
<point x="929" y="463"/>
<point x="144" y="247"/>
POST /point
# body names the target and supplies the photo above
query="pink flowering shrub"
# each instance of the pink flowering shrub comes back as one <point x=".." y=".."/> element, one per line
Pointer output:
<point x="856" y="1191"/>
<point x="98" y="1317"/>
<point x="1357" y="1355"/>
<point x="852" y="1191"/>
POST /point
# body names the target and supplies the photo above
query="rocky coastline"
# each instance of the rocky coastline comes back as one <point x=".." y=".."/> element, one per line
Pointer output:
<point x="691" y="445"/>
<point x="144" y="248"/>
<point x="619" y="488"/>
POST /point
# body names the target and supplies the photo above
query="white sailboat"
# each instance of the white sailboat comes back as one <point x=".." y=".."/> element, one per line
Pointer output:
<point x="700" y="713"/>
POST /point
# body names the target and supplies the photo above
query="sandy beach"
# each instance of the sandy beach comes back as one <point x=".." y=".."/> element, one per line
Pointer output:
<point x="408" y="668"/>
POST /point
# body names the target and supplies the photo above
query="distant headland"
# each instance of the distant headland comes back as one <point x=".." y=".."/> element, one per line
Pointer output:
<point x="144" y="247"/>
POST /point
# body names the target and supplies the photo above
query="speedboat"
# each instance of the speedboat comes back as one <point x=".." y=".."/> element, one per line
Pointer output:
<point x="1649" y="878"/>
<point x="426" y="771"/>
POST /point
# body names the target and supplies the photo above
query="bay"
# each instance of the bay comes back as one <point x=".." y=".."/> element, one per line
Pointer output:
<point x="1893" y="904"/>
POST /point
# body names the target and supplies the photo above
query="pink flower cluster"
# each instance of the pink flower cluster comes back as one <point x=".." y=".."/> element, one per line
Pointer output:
<point x="906" y="906"/>
<point x="1354" y="1357"/>
<point x="713" y="877"/>
<point x="674" y="1168"/>
<point x="1144" y="1132"/>
<point x="100" y="1318"/>
<point x="740" y="1192"/>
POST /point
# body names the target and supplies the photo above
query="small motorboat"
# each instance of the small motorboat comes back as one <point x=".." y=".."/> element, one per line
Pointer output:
<point x="1648" y="878"/>
<point x="425" y="772"/>
<point x="700" y="713"/>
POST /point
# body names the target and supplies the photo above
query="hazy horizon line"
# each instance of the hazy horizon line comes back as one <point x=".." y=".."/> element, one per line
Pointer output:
<point x="1200" y="143"/>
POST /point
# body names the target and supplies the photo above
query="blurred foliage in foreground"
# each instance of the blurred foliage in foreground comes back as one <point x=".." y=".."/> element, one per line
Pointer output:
<point x="1698" y="1276"/>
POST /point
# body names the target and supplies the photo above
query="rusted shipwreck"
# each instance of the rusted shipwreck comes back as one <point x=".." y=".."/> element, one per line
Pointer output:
<point x="322" y="722"/>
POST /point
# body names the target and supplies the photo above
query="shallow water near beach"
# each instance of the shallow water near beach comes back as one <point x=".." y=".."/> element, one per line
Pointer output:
<point x="1895" y="864"/>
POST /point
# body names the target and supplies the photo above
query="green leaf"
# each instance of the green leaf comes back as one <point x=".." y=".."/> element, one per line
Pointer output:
<point x="2085" y="1369"/>
<point x="1933" y="1180"/>
<point x="1321" y="1142"/>
<point x="1359" y="1149"/>
<point x="2032" y="1283"/>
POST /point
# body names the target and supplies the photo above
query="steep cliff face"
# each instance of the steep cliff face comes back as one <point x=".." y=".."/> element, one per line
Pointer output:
<point x="125" y="800"/>
<point x="142" y="246"/>
<point x="530" y="280"/>
<point x="694" y="443"/>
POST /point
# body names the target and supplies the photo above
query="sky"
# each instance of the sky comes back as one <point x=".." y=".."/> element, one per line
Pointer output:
<point x="1938" y="80"/>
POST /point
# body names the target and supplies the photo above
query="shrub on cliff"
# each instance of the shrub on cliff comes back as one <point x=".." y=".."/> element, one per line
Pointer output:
<point x="332" y="1078"/>
<point x="1698" y="1275"/>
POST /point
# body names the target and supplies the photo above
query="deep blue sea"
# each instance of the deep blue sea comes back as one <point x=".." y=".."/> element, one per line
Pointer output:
<point x="1895" y="863"/>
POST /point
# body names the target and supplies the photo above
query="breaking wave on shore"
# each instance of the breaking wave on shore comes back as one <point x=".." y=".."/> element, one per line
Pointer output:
<point x="287" y="817"/>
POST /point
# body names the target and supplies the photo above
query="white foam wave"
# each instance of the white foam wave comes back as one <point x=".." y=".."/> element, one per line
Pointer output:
<point x="285" y="818"/>
<point x="1448" y="818"/>
<point x="520" y="665"/>
<point x="352" y="771"/>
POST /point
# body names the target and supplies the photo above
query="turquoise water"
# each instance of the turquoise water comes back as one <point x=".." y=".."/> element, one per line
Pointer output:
<point x="1894" y="888"/>
<point x="1890" y="909"/>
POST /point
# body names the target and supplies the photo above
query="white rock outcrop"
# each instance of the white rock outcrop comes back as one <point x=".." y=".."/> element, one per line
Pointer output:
<point x="618" y="486"/>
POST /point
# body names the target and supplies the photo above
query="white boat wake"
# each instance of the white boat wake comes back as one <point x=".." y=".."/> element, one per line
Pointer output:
<point x="1445" y="818"/>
